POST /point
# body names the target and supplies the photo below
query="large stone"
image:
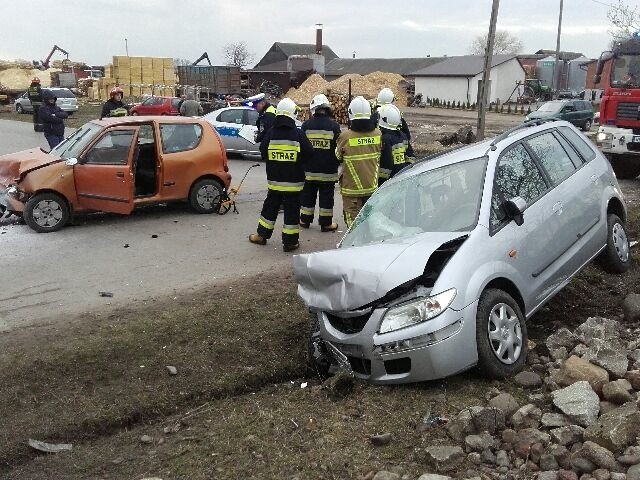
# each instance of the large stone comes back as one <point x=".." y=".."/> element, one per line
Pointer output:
<point x="533" y="435"/>
<point x="575" y="369"/>
<point x="548" y="475"/>
<point x="563" y="338"/>
<point x="444" y="458"/>
<point x="559" y="354"/>
<point x="606" y="407"/>
<point x="634" y="355"/>
<point x="617" y="391"/>
<point x="474" y="420"/>
<point x="480" y="442"/>
<point x="528" y="379"/>
<point x="567" y="474"/>
<point x="601" y="474"/>
<point x="633" y="377"/>
<point x="616" y="429"/>
<point x="506" y="403"/>
<point x="630" y="457"/>
<point x="548" y="462"/>
<point x="552" y="420"/>
<point x="502" y="459"/>
<point x="579" y="402"/>
<point x="597" y="328"/>
<point x="384" y="475"/>
<point x="561" y="454"/>
<point x="631" y="307"/>
<point x="527" y="416"/>
<point x="633" y="473"/>
<point x="609" y="355"/>
<point x="433" y="476"/>
<point x="568" y="435"/>
<point x="597" y="454"/>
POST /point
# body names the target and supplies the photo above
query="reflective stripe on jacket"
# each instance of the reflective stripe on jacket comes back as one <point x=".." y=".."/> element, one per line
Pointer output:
<point x="322" y="133"/>
<point x="360" y="154"/>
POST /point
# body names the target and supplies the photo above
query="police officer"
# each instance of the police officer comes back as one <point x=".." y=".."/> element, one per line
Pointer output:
<point x="322" y="171"/>
<point x="386" y="97"/>
<point x="394" y="143"/>
<point x="34" y="92"/>
<point x="266" y="117"/>
<point x="114" y="107"/>
<point x="286" y="150"/>
<point x="358" y="149"/>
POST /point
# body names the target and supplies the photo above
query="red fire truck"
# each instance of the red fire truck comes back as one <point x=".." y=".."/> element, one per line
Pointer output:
<point x="619" y="132"/>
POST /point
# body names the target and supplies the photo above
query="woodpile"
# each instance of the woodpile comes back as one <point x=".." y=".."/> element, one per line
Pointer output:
<point x="136" y="76"/>
<point x="338" y="90"/>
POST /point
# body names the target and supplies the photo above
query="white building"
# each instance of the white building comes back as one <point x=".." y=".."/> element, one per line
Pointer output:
<point x="456" y="79"/>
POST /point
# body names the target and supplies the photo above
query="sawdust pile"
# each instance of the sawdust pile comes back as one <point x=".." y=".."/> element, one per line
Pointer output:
<point x="20" y="78"/>
<point x="366" y="85"/>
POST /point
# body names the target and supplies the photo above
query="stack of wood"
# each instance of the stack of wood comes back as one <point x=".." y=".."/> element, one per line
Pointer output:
<point x="136" y="76"/>
<point x="340" y="103"/>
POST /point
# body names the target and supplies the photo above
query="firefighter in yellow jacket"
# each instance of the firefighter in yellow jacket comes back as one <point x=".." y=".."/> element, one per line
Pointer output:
<point x="358" y="150"/>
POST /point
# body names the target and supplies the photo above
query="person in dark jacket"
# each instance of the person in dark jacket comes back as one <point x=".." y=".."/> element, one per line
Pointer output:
<point x="34" y="93"/>
<point x="387" y="97"/>
<point x="266" y="117"/>
<point x="322" y="171"/>
<point x="286" y="151"/>
<point x="52" y="118"/>
<point x="114" y="107"/>
<point x="394" y="143"/>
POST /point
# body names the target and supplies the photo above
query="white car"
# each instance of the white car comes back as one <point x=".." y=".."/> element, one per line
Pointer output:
<point x="228" y="122"/>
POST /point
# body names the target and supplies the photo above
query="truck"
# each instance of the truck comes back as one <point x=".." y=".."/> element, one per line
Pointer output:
<point x="619" y="133"/>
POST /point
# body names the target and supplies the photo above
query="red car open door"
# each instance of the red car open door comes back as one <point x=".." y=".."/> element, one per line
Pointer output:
<point x="104" y="175"/>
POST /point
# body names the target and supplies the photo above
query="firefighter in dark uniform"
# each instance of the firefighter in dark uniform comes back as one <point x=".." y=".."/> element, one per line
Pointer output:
<point x="386" y="97"/>
<point x="266" y="117"/>
<point x="114" y="107"/>
<point x="35" y="97"/>
<point x="322" y="171"/>
<point x="394" y="143"/>
<point x="286" y="151"/>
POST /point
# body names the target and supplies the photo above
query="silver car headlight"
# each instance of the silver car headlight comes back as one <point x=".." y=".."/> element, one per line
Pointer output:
<point x="417" y="311"/>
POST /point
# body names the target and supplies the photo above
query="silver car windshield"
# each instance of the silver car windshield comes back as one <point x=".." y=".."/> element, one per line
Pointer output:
<point x="446" y="199"/>
<point x="74" y="144"/>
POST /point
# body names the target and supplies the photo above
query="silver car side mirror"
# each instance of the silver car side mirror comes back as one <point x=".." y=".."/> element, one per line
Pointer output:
<point x="514" y="208"/>
<point x="70" y="162"/>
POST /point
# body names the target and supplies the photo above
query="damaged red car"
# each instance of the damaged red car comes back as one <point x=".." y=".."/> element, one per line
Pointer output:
<point x="115" y="165"/>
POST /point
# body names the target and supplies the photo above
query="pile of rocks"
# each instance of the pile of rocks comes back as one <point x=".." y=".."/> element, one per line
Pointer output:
<point x="581" y="421"/>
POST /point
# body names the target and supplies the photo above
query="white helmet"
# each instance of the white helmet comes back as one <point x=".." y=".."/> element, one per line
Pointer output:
<point x="287" y="108"/>
<point x="385" y="96"/>
<point x="319" y="101"/>
<point x="389" y="117"/>
<point x="359" y="108"/>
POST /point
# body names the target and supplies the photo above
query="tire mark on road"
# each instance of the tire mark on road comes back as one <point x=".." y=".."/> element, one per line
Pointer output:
<point x="22" y="295"/>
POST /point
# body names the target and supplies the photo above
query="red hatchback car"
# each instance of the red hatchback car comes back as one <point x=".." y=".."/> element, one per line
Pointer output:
<point x="157" y="106"/>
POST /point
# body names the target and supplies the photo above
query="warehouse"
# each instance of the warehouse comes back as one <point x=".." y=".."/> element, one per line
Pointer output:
<point x="456" y="79"/>
<point x="364" y="66"/>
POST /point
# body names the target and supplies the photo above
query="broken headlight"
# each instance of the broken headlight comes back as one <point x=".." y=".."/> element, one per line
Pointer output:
<point x="417" y="311"/>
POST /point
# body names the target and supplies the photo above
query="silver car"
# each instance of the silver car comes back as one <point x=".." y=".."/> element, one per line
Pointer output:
<point x="66" y="100"/>
<point x="445" y="263"/>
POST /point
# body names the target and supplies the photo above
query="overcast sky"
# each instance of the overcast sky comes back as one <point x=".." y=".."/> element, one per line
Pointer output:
<point x="94" y="30"/>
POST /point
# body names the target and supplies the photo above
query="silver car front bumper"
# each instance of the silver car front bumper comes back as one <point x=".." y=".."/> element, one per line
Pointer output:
<point x="434" y="349"/>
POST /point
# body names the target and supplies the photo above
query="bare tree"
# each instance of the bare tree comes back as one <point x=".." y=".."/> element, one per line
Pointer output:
<point x="625" y="21"/>
<point x="181" y="61"/>
<point x="238" y="54"/>
<point x="504" y="43"/>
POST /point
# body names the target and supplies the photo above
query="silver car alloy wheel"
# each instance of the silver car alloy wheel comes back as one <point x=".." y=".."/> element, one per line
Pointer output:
<point x="620" y="242"/>
<point x="505" y="334"/>
<point x="207" y="196"/>
<point x="47" y="213"/>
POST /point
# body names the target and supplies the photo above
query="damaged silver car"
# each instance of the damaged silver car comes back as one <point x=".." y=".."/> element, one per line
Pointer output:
<point x="447" y="260"/>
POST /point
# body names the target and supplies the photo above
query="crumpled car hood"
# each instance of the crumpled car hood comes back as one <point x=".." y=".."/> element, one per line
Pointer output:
<point x="15" y="165"/>
<point x="349" y="278"/>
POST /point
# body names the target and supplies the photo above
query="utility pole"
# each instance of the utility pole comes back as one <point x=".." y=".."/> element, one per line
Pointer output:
<point x="126" y="46"/>
<point x="484" y="86"/>
<point x="556" y="70"/>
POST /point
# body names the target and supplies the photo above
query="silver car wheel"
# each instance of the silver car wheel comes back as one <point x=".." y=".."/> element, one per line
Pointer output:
<point x="620" y="242"/>
<point x="207" y="196"/>
<point x="47" y="213"/>
<point x="505" y="334"/>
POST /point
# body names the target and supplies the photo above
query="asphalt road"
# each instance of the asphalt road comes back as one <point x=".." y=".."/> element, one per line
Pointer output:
<point x="45" y="278"/>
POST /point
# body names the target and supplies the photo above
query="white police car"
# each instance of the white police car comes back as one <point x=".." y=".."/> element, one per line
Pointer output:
<point x="228" y="122"/>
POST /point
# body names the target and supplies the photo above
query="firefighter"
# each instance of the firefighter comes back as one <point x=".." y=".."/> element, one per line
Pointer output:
<point x="358" y="149"/>
<point x="35" y="97"/>
<point x="266" y="117"/>
<point x="386" y="97"/>
<point x="114" y="107"/>
<point x="394" y="143"/>
<point x="286" y="151"/>
<point x="322" y="172"/>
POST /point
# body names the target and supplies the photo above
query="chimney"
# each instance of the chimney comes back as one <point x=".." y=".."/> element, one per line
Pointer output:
<point x="318" y="39"/>
<point x="354" y="54"/>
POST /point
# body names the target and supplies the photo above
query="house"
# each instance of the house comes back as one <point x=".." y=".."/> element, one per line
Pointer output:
<point x="363" y="66"/>
<point x="456" y="79"/>
<point x="278" y="56"/>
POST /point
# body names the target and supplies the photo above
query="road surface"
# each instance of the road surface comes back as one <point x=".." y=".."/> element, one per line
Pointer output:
<point x="47" y="277"/>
